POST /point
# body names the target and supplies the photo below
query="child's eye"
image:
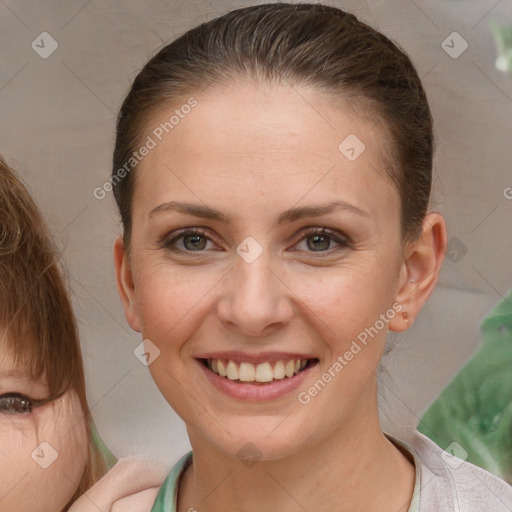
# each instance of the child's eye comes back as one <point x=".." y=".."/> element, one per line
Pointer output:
<point x="15" y="403"/>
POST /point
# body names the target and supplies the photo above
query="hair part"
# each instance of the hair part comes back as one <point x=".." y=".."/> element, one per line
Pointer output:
<point x="300" y="44"/>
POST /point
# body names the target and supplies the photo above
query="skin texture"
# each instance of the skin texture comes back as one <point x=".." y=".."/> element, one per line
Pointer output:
<point x="253" y="152"/>
<point x="24" y="484"/>
<point x="130" y="486"/>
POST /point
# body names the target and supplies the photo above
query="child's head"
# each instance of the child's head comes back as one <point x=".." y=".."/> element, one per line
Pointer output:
<point x="40" y="358"/>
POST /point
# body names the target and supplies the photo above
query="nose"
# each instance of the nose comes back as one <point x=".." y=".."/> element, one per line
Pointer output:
<point x="255" y="300"/>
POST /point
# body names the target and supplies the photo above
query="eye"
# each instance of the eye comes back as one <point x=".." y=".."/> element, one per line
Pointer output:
<point x="15" y="403"/>
<point x="196" y="240"/>
<point x="321" y="240"/>
<point x="188" y="240"/>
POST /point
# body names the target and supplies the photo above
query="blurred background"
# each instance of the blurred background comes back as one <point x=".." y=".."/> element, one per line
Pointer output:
<point x="65" y="67"/>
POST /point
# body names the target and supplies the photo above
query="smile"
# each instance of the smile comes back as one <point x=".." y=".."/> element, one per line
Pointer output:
<point x="262" y="373"/>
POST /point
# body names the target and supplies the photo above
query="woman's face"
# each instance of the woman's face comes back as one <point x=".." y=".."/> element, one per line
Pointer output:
<point x="43" y="453"/>
<point x="260" y="172"/>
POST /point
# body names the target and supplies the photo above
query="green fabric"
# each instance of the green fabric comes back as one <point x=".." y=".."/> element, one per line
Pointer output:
<point x="167" y="498"/>
<point x="503" y="40"/>
<point x="475" y="409"/>
<point x="109" y="458"/>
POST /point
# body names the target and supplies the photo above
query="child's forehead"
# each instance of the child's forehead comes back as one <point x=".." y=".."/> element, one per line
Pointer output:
<point x="13" y="367"/>
<point x="17" y="379"/>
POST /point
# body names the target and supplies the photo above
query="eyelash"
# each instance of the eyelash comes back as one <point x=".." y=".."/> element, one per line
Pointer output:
<point x="344" y="242"/>
<point x="24" y="404"/>
<point x="15" y="403"/>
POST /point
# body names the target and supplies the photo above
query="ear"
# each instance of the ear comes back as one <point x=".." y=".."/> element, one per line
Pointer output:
<point x="420" y="270"/>
<point x="125" y="284"/>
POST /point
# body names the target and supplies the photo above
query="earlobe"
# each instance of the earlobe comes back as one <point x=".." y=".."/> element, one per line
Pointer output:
<point x="125" y="284"/>
<point x="420" y="270"/>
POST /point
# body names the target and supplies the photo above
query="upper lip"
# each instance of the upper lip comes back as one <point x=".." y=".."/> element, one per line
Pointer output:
<point x="262" y="357"/>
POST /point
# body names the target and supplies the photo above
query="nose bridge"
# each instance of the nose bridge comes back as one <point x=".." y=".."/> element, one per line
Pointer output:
<point x="254" y="299"/>
<point x="255" y="280"/>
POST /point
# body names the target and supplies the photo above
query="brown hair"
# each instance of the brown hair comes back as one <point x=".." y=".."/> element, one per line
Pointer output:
<point x="310" y="44"/>
<point x="36" y="315"/>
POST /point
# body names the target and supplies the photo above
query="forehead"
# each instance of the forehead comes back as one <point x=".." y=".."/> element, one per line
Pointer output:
<point x="288" y="140"/>
<point x="16" y="378"/>
<point x="11" y="366"/>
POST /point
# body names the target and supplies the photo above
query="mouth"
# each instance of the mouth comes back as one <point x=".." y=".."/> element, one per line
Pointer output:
<point x="260" y="374"/>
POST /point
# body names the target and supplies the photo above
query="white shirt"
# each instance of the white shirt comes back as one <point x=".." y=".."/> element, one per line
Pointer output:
<point x="445" y="483"/>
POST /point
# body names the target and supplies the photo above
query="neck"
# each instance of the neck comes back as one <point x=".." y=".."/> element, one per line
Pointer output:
<point x="352" y="469"/>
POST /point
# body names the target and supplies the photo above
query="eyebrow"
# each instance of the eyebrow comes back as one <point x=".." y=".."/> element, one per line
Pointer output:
<point x="291" y="215"/>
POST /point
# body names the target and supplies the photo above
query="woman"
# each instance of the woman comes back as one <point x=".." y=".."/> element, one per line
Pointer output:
<point x="272" y="169"/>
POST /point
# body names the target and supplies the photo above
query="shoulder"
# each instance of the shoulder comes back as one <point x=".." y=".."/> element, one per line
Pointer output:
<point x="166" y="498"/>
<point x="449" y="483"/>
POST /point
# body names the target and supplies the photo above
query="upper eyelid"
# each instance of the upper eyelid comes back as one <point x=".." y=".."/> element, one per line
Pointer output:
<point x="341" y="239"/>
<point x="15" y="394"/>
<point x="33" y="402"/>
<point x="180" y="233"/>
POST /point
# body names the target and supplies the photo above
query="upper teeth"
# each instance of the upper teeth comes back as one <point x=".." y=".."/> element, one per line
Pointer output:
<point x="263" y="372"/>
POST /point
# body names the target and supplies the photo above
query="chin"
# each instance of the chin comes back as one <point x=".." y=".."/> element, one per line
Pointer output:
<point x="256" y="437"/>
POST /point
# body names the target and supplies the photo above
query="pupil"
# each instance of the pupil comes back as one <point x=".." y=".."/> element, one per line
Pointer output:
<point x="323" y="242"/>
<point x="198" y="242"/>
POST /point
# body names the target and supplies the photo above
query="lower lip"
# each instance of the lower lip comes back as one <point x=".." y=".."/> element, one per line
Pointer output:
<point x="255" y="392"/>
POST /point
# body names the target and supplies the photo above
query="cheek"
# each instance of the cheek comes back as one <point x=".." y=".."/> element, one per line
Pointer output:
<point x="348" y="312"/>
<point x="173" y="302"/>
<point x="43" y="458"/>
<point x="346" y="300"/>
<point x="169" y="298"/>
<point x="63" y="425"/>
<point x="174" y="305"/>
<point x="17" y="440"/>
